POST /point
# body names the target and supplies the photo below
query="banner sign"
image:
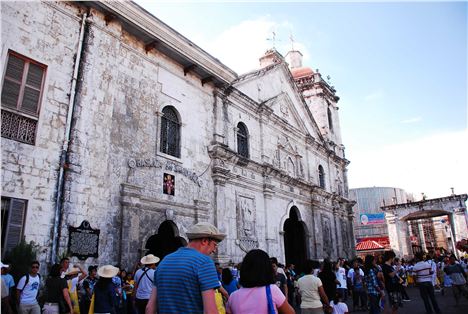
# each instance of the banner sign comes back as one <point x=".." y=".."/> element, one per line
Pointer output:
<point x="372" y="219"/>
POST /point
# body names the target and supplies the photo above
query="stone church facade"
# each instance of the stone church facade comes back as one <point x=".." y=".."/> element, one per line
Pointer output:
<point x="111" y="117"/>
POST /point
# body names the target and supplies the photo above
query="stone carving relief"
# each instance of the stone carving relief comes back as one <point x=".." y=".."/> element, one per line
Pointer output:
<point x="246" y="222"/>
<point x="327" y="235"/>
<point x="344" y="235"/>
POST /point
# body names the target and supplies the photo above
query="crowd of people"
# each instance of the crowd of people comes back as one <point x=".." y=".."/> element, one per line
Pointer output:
<point x="188" y="281"/>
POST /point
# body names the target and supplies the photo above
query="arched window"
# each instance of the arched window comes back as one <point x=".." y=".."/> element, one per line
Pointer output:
<point x="242" y="140"/>
<point x="330" y="119"/>
<point x="170" y="132"/>
<point x="321" y="177"/>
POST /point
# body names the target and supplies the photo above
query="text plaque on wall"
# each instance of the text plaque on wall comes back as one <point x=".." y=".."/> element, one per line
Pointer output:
<point x="83" y="241"/>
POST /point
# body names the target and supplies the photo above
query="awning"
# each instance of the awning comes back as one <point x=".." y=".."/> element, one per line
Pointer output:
<point x="368" y="245"/>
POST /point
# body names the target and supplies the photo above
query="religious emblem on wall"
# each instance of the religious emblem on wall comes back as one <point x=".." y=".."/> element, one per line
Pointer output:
<point x="327" y="235"/>
<point x="168" y="184"/>
<point x="246" y="221"/>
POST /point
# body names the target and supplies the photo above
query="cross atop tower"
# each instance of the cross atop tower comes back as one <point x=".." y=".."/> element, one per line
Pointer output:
<point x="291" y="38"/>
<point x="273" y="39"/>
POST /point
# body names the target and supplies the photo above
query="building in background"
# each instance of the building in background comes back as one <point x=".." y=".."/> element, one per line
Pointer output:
<point x="370" y="226"/>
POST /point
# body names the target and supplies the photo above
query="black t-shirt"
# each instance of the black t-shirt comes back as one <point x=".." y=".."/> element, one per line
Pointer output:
<point x="54" y="289"/>
<point x="280" y="281"/>
<point x="391" y="284"/>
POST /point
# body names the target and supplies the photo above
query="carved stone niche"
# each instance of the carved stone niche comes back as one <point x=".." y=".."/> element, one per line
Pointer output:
<point x="246" y="222"/>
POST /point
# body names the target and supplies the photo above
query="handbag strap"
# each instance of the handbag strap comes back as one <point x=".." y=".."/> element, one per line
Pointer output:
<point x="271" y="307"/>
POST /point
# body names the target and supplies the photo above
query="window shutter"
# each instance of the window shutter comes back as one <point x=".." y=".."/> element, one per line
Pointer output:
<point x="15" y="223"/>
<point x="32" y="91"/>
<point x="12" y="81"/>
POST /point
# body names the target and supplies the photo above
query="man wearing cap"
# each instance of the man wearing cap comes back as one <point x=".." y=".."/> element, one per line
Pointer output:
<point x="7" y="283"/>
<point x="185" y="280"/>
<point x="144" y="282"/>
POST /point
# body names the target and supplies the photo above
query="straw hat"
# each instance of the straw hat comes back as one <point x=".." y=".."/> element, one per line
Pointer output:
<point x="73" y="271"/>
<point x="149" y="259"/>
<point x="4" y="265"/>
<point x="204" y="230"/>
<point x="107" y="271"/>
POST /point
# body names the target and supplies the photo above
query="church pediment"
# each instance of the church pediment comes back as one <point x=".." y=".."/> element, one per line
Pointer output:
<point x="283" y="107"/>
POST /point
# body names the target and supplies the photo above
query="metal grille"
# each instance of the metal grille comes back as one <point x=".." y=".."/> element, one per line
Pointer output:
<point x="170" y="132"/>
<point x="242" y="142"/>
<point x="18" y="127"/>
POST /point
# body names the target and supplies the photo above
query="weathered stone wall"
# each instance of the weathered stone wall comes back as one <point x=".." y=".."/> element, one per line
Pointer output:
<point x="123" y="92"/>
<point x="47" y="33"/>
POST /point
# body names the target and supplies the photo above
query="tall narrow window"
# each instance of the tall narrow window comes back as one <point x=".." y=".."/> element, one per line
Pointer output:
<point x="13" y="214"/>
<point x="242" y="140"/>
<point x="321" y="177"/>
<point x="330" y="119"/>
<point x="170" y="132"/>
<point x="21" y="94"/>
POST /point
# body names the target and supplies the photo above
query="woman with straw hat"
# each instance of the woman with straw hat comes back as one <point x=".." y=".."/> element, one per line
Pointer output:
<point x="104" y="291"/>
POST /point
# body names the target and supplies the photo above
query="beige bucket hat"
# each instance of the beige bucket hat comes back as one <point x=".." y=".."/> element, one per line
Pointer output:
<point x="149" y="259"/>
<point x="204" y="230"/>
<point x="107" y="271"/>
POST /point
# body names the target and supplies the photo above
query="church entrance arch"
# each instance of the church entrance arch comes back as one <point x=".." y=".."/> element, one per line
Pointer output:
<point x="166" y="241"/>
<point x="295" y="239"/>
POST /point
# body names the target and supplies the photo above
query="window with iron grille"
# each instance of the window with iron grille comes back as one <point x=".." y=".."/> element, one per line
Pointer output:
<point x="21" y="98"/>
<point x="13" y="216"/>
<point x="170" y="132"/>
<point x="242" y="140"/>
<point x="321" y="177"/>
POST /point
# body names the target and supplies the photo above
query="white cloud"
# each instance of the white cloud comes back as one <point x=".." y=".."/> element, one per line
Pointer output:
<point x="240" y="46"/>
<point x="431" y="165"/>
<point x="411" y="120"/>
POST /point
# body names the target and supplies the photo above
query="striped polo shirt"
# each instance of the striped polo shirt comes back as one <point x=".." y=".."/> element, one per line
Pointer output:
<point x="423" y="272"/>
<point x="180" y="279"/>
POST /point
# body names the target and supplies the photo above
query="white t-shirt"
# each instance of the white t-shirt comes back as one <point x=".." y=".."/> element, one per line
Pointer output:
<point x="145" y="285"/>
<point x="308" y="288"/>
<point x="29" y="292"/>
<point x="341" y="277"/>
<point x="339" y="308"/>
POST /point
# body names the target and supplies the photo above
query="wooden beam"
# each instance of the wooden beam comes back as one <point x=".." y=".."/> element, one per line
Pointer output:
<point x="151" y="45"/>
<point x="189" y="68"/>
<point x="206" y="80"/>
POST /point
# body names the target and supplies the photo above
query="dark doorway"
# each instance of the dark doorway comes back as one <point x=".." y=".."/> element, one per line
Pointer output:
<point x="166" y="241"/>
<point x="294" y="240"/>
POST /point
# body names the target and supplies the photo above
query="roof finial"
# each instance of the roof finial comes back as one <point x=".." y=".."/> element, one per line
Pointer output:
<point x="291" y="38"/>
<point x="273" y="39"/>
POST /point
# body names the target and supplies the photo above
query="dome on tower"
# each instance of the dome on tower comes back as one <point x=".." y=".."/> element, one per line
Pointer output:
<point x="301" y="72"/>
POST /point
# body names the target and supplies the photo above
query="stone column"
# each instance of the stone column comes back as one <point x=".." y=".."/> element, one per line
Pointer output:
<point x="422" y="239"/>
<point x="220" y="176"/>
<point x="337" y="241"/>
<point x="392" y="225"/>
<point x="268" y="193"/>
<point x="452" y="230"/>
<point x="130" y="228"/>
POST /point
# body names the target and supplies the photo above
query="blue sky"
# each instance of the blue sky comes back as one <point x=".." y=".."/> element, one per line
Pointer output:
<point x="400" y="69"/>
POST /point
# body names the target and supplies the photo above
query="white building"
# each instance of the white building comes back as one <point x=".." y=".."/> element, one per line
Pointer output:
<point x="110" y="116"/>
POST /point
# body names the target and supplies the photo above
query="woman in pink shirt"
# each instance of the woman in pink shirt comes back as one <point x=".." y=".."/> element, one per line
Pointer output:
<point x="259" y="293"/>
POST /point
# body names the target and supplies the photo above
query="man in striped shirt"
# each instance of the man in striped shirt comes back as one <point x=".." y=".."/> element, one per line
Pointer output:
<point x="185" y="281"/>
<point x="423" y="271"/>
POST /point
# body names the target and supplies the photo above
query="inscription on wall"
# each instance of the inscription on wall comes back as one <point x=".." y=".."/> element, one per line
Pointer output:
<point x="83" y="241"/>
<point x="166" y="165"/>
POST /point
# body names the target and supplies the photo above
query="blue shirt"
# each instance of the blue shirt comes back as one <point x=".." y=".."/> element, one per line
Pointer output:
<point x="372" y="283"/>
<point x="231" y="287"/>
<point x="9" y="281"/>
<point x="104" y="298"/>
<point x="180" y="279"/>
